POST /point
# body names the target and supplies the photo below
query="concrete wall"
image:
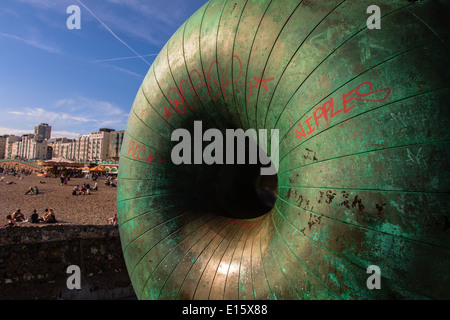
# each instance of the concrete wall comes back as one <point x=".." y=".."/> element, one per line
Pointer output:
<point x="34" y="261"/>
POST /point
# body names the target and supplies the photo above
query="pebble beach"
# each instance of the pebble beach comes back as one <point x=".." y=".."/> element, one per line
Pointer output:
<point x="93" y="209"/>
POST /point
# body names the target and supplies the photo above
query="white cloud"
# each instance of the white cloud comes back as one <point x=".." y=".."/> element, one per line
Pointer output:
<point x="32" y="42"/>
<point x="133" y="18"/>
<point x="88" y="108"/>
<point x="68" y="117"/>
<point x="65" y="134"/>
<point x="16" y="132"/>
<point x="55" y="134"/>
<point x="48" y="116"/>
<point x="64" y="102"/>
<point x="45" y="4"/>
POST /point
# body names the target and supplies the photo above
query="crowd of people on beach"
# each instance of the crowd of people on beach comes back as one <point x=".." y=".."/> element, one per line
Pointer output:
<point x="17" y="216"/>
<point x="12" y="173"/>
<point x="84" y="190"/>
<point x="109" y="182"/>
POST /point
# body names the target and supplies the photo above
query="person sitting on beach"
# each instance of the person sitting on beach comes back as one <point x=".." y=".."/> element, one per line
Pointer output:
<point x="18" y="216"/>
<point x="36" y="190"/>
<point x="34" y="218"/>
<point x="10" y="223"/>
<point x="75" y="190"/>
<point x="113" y="220"/>
<point x="95" y="187"/>
<point x="83" y="189"/>
<point x="49" y="217"/>
<point x="30" y="191"/>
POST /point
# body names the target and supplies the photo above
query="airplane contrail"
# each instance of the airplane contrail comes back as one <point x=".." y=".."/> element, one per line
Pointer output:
<point x="126" y="58"/>
<point x="114" y="35"/>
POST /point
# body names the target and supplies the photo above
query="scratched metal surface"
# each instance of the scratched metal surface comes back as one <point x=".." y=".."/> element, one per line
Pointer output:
<point x="364" y="154"/>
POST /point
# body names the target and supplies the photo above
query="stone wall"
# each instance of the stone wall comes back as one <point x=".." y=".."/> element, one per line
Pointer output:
<point x="34" y="261"/>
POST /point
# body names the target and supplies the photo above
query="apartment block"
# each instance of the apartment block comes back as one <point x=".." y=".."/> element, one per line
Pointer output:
<point x="103" y="145"/>
<point x="42" y="132"/>
<point x="26" y="147"/>
<point x="3" y="146"/>
<point x="116" y="144"/>
<point x="62" y="148"/>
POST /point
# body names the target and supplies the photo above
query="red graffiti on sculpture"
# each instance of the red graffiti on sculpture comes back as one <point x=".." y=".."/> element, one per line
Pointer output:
<point x="327" y="109"/>
<point x="216" y="87"/>
<point x="138" y="152"/>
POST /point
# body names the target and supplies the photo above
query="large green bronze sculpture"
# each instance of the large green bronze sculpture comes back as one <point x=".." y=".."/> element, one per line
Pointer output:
<point x="363" y="179"/>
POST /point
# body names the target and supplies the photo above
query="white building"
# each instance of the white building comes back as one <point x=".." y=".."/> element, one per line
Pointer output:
<point x="81" y="147"/>
<point x="63" y="148"/>
<point x="9" y="146"/>
<point x="103" y="145"/>
<point x="99" y="145"/>
<point x="26" y="147"/>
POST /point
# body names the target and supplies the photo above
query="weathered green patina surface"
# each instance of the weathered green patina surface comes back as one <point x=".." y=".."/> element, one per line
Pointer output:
<point x="364" y="153"/>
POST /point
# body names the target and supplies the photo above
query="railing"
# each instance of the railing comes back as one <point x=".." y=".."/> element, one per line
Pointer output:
<point x="22" y="162"/>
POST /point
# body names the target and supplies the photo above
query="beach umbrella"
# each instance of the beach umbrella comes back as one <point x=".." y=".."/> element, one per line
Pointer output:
<point x="98" y="169"/>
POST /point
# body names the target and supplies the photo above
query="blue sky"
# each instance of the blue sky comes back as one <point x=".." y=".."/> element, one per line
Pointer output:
<point x="79" y="80"/>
